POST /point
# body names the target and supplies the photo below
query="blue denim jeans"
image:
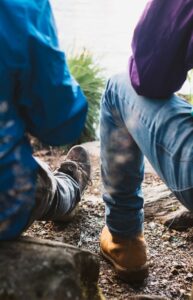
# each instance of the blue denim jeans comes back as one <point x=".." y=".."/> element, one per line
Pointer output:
<point x="133" y="126"/>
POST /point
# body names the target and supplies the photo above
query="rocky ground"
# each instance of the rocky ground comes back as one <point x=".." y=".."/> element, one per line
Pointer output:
<point x="170" y="251"/>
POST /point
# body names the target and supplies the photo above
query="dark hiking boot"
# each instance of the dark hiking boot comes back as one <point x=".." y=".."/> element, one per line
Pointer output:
<point x="128" y="256"/>
<point x="77" y="165"/>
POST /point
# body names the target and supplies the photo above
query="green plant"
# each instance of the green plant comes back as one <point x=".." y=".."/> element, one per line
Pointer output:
<point x="190" y="78"/>
<point x="90" y="77"/>
<point x="189" y="97"/>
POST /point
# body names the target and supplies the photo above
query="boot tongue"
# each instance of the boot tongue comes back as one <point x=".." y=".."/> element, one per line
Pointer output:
<point x="70" y="168"/>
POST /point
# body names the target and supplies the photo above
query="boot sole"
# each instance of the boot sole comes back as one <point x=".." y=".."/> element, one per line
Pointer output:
<point x="137" y="275"/>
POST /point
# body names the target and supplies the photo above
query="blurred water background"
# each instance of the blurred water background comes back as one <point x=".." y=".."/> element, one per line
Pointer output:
<point x="105" y="27"/>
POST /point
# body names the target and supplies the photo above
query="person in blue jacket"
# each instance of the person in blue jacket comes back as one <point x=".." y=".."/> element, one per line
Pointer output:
<point x="141" y="115"/>
<point x="37" y="96"/>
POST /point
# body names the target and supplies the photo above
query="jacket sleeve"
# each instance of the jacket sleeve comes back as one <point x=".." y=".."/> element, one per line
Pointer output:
<point x="52" y="103"/>
<point x="162" y="48"/>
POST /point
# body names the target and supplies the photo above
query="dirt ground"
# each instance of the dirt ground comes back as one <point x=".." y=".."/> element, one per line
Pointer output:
<point x="170" y="252"/>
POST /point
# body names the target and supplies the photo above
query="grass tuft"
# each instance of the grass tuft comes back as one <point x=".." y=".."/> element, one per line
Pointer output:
<point x="91" y="79"/>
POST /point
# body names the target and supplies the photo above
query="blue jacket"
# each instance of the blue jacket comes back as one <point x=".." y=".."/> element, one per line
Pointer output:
<point x="162" y="48"/>
<point x="37" y="95"/>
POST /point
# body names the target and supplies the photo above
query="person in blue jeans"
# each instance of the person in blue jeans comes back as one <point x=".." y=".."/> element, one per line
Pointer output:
<point x="39" y="96"/>
<point x="141" y="115"/>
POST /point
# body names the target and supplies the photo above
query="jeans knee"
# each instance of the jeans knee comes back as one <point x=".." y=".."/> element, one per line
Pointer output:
<point x="114" y="89"/>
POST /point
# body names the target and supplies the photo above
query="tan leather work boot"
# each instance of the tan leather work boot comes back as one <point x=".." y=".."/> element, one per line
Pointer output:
<point x="128" y="256"/>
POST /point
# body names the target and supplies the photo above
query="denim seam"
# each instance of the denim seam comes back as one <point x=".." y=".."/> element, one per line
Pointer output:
<point x="172" y="187"/>
<point x="182" y="190"/>
<point x="179" y="160"/>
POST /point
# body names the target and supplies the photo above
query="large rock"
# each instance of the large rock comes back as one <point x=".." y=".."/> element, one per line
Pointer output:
<point x="180" y="219"/>
<point x="162" y="205"/>
<point x="38" y="269"/>
<point x="159" y="202"/>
